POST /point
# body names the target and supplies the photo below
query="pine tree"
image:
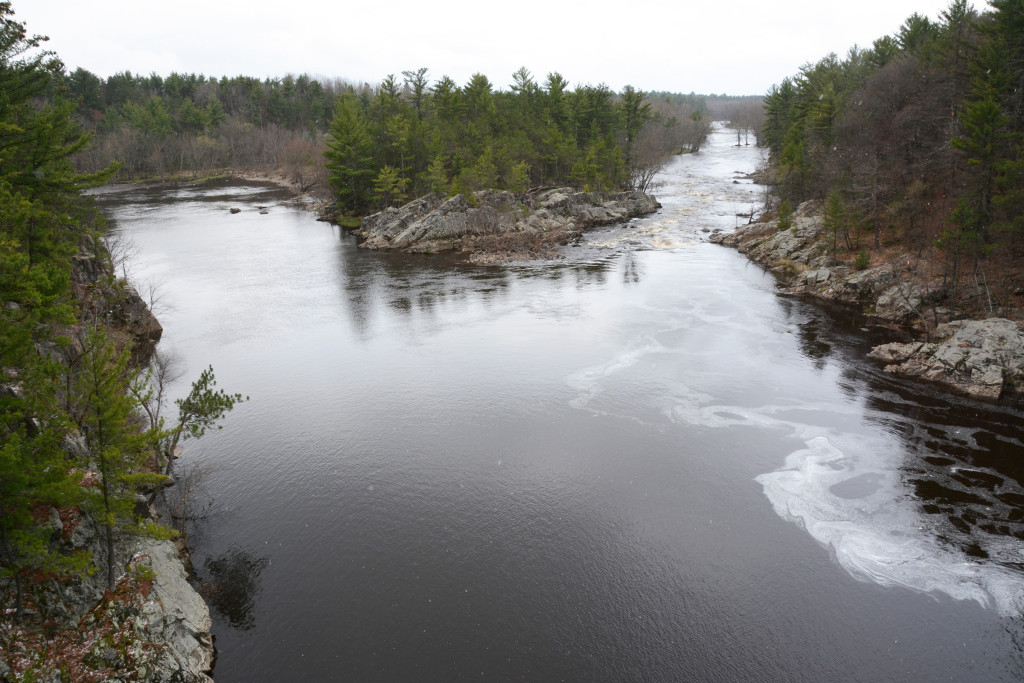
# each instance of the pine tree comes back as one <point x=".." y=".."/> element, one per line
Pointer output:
<point x="34" y="476"/>
<point x="389" y="188"/>
<point x="835" y="219"/>
<point x="41" y="224"/>
<point x="634" y="113"/>
<point x="350" y="156"/>
<point x="437" y="177"/>
<point x="117" y="444"/>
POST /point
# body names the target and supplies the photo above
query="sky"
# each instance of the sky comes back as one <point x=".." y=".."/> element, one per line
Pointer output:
<point x="739" y="47"/>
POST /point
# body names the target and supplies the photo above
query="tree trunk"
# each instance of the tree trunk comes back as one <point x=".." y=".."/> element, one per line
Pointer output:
<point x="110" y="556"/>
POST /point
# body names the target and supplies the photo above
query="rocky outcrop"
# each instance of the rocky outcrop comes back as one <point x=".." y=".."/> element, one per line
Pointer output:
<point x="980" y="358"/>
<point x="175" y="616"/>
<point x="152" y="627"/>
<point x="102" y="296"/>
<point x="433" y="224"/>
<point x="892" y="293"/>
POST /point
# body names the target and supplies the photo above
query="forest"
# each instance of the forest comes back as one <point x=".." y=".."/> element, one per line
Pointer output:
<point x="387" y="142"/>
<point x="915" y="144"/>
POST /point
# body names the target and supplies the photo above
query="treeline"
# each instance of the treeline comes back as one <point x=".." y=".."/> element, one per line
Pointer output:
<point x="407" y="136"/>
<point x="916" y="140"/>
<point x="190" y="124"/>
<point x="410" y="137"/>
<point x="79" y="417"/>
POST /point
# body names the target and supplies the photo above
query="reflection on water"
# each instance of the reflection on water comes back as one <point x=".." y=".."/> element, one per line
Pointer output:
<point x="233" y="585"/>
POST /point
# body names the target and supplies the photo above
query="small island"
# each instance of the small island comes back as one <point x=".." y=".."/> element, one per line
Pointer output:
<point x="495" y="226"/>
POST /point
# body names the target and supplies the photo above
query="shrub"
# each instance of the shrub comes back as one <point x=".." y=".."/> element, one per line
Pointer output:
<point x="785" y="215"/>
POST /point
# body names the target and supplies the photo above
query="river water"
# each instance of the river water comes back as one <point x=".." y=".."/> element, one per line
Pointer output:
<point x="641" y="462"/>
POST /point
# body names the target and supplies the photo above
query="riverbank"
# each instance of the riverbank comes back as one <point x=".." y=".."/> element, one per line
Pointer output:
<point x="153" y="625"/>
<point x="961" y="348"/>
<point x="557" y="434"/>
<point x="301" y="187"/>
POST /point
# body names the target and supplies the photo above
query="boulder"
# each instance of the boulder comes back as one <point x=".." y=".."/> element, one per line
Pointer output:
<point x="981" y="358"/>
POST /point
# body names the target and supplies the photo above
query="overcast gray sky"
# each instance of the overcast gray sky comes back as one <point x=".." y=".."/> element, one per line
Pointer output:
<point x="733" y="46"/>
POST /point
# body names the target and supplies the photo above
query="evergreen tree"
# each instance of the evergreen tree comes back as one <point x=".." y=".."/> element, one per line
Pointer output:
<point x="835" y="219"/>
<point x="389" y="188"/>
<point x="437" y="177"/>
<point x="350" y="156"/>
<point x="634" y="113"/>
<point x="41" y="224"/>
<point x="785" y="215"/>
<point x="117" y="444"/>
<point x="34" y="475"/>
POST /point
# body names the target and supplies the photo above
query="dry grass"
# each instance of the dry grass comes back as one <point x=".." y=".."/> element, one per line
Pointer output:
<point x="517" y="246"/>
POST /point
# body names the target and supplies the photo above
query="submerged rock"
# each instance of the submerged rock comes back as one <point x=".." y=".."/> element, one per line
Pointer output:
<point x="433" y="224"/>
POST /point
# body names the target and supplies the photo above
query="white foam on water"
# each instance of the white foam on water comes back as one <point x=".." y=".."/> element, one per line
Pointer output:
<point x="878" y="536"/>
<point x="846" y="490"/>
<point x="653" y="232"/>
<point x="696" y="408"/>
<point x="588" y="381"/>
<point x="846" y="486"/>
<point x="670" y="243"/>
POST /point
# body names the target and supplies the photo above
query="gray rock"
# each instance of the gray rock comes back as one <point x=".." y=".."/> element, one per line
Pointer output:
<point x="896" y="352"/>
<point x="431" y="224"/>
<point x="174" y="614"/>
<point x="981" y="358"/>
<point x="53" y="521"/>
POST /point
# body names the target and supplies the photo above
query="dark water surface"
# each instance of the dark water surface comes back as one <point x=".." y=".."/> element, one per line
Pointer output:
<point x="641" y="463"/>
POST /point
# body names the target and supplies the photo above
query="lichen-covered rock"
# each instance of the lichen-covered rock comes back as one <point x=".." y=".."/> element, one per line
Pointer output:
<point x="430" y="224"/>
<point x="981" y="358"/>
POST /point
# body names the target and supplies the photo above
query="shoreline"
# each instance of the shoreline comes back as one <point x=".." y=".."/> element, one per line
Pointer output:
<point x="981" y="356"/>
<point x="154" y="624"/>
<point x="314" y="191"/>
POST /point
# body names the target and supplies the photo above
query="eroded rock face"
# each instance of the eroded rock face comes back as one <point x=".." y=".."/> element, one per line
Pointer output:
<point x="116" y="301"/>
<point x="890" y="293"/>
<point x="981" y="358"/>
<point x="432" y="224"/>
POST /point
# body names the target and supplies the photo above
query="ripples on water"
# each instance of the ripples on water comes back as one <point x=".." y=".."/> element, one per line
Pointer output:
<point x="569" y="470"/>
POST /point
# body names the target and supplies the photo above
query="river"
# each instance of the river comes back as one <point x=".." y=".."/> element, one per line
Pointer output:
<point x="639" y="463"/>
